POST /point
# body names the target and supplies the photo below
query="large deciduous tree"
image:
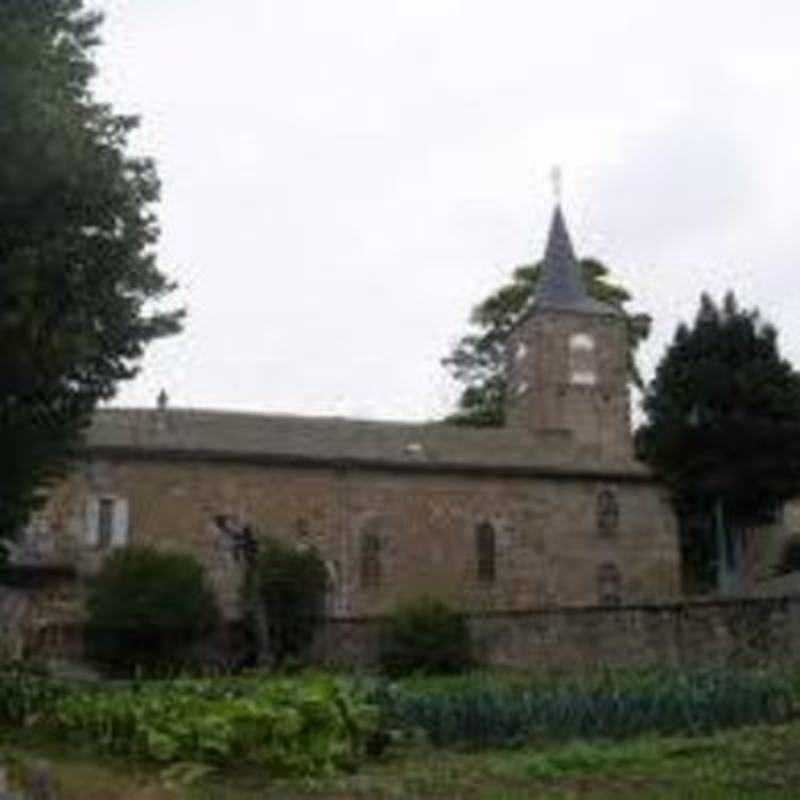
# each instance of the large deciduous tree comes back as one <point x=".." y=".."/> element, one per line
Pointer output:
<point x="723" y="429"/>
<point x="77" y="231"/>
<point x="478" y="359"/>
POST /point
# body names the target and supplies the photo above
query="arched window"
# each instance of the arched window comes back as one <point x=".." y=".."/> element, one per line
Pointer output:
<point x="582" y="362"/>
<point x="370" y="560"/>
<point x="790" y="558"/>
<point x="609" y="584"/>
<point x="607" y="513"/>
<point x="485" y="549"/>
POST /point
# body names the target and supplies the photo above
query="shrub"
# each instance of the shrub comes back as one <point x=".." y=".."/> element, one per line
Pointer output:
<point x="425" y="635"/>
<point x="286" y="599"/>
<point x="147" y="610"/>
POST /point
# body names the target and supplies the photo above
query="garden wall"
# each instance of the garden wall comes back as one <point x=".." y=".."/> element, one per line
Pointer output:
<point x="701" y="632"/>
<point x="748" y="630"/>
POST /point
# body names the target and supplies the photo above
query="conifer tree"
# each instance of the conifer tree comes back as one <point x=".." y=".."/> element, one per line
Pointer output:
<point x="723" y="425"/>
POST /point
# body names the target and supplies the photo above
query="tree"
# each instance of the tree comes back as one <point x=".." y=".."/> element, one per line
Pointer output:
<point x="723" y="429"/>
<point x="78" y="276"/>
<point x="478" y="360"/>
<point x="285" y="597"/>
<point x="147" y="609"/>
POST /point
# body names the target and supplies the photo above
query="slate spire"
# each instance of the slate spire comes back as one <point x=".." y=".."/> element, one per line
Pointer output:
<point x="561" y="286"/>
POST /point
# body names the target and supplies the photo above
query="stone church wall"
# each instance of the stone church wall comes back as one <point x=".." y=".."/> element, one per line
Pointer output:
<point x="549" y="546"/>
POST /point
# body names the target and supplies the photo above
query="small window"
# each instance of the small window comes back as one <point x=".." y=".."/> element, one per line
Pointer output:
<point x="105" y="522"/>
<point x="609" y="584"/>
<point x="582" y="362"/>
<point x="370" y="561"/>
<point x="790" y="558"/>
<point x="607" y="513"/>
<point x="486" y="552"/>
<point x="581" y="341"/>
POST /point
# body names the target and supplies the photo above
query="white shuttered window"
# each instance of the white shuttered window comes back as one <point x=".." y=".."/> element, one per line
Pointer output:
<point x="107" y="522"/>
<point x="119" y="531"/>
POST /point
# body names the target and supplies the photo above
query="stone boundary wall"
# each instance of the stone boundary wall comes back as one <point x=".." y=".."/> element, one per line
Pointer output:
<point x="741" y="631"/>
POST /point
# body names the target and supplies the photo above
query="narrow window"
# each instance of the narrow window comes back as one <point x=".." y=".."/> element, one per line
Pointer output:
<point x="105" y="522"/>
<point x="607" y="513"/>
<point x="608" y="584"/>
<point x="790" y="558"/>
<point x="485" y="545"/>
<point x="582" y="366"/>
<point x="370" y="561"/>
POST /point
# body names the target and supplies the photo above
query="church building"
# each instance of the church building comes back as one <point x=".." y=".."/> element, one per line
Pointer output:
<point x="550" y="511"/>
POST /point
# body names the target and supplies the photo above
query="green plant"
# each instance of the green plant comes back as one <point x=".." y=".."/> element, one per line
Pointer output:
<point x="482" y="712"/>
<point x="424" y="635"/>
<point x="148" y="610"/>
<point x="286" y="598"/>
<point x="308" y="726"/>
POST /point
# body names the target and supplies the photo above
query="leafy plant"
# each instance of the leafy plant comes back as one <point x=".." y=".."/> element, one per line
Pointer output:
<point x="309" y="726"/>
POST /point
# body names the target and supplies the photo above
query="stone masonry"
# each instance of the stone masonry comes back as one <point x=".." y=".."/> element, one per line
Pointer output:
<point x="549" y="512"/>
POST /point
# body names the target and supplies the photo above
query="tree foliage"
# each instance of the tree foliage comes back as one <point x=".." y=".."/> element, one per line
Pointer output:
<point x="77" y="231"/>
<point x="146" y="609"/>
<point x="478" y="360"/>
<point x="723" y="413"/>
<point x="286" y="596"/>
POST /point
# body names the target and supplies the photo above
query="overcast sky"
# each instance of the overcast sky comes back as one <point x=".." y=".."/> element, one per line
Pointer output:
<point x="343" y="181"/>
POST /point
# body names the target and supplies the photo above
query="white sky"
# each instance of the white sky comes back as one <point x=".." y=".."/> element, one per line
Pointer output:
<point x="344" y="180"/>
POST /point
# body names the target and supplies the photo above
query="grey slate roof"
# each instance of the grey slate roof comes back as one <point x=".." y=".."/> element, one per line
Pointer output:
<point x="561" y="286"/>
<point x="284" y="438"/>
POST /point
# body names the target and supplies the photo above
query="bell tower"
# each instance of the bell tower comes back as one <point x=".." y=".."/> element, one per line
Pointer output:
<point x="567" y="359"/>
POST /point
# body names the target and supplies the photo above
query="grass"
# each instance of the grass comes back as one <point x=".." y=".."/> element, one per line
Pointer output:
<point x="752" y="763"/>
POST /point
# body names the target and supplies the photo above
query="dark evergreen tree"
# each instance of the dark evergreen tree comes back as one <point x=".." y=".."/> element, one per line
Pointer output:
<point x="77" y="230"/>
<point x="723" y="427"/>
<point x="478" y="360"/>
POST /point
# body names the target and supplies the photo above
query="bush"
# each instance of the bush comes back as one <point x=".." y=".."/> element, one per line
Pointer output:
<point x="286" y="599"/>
<point x="425" y="635"/>
<point x="147" y="611"/>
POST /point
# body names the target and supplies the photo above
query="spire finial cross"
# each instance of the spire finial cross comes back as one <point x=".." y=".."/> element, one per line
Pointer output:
<point x="555" y="177"/>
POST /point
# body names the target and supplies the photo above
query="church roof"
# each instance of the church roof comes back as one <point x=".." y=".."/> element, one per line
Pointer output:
<point x="561" y="286"/>
<point x="185" y="434"/>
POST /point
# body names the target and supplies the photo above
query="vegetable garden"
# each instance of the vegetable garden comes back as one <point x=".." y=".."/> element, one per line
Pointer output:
<point x="318" y="725"/>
